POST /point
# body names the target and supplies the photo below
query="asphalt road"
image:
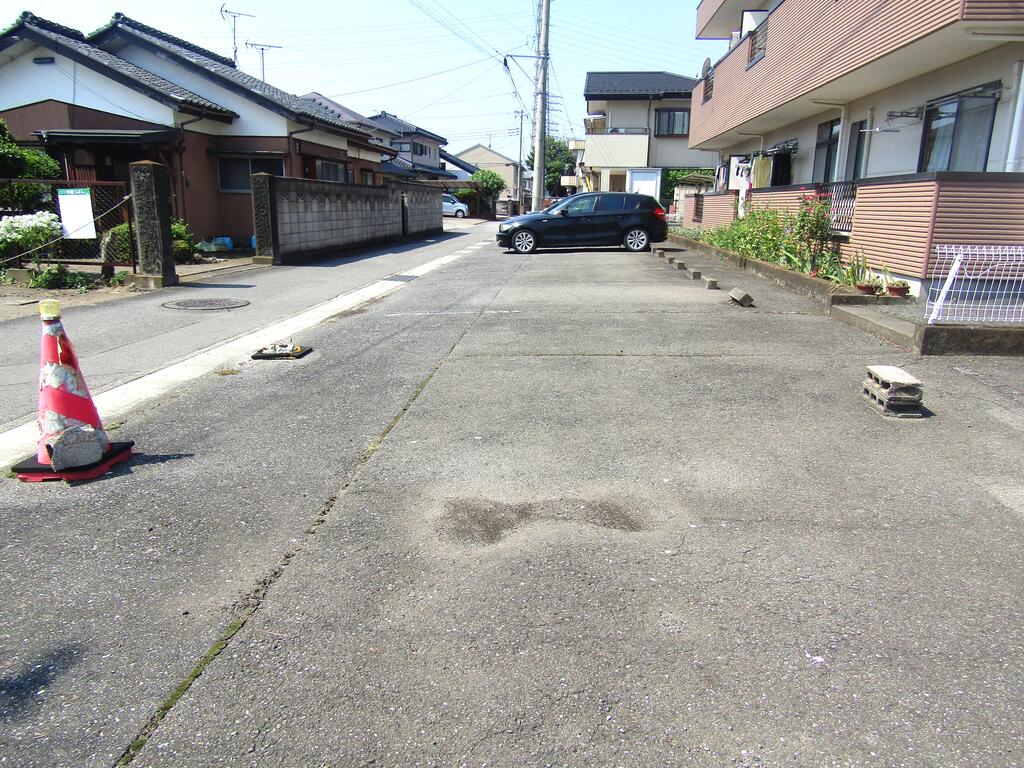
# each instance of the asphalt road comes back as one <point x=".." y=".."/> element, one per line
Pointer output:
<point x="567" y="509"/>
<point x="127" y="338"/>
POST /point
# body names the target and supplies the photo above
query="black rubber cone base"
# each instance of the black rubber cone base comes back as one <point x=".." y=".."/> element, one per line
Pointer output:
<point x="31" y="471"/>
<point x="293" y="355"/>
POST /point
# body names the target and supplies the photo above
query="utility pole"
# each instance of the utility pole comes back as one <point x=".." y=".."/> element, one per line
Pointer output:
<point x="520" y="200"/>
<point x="541" y="107"/>
<point x="262" y="47"/>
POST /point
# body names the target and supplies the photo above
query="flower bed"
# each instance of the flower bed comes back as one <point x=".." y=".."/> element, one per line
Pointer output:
<point x="803" y="242"/>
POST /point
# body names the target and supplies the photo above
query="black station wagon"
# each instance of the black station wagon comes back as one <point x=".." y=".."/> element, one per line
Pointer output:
<point x="592" y="218"/>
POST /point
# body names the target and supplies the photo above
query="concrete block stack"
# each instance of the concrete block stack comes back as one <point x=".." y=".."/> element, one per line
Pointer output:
<point x="893" y="392"/>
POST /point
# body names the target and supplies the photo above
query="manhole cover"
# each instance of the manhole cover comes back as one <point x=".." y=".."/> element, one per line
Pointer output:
<point x="206" y="304"/>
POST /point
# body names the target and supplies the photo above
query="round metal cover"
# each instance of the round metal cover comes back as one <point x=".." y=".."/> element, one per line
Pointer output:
<point x="206" y="304"/>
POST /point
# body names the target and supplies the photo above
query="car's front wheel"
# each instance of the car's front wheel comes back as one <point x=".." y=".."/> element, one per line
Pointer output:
<point x="636" y="239"/>
<point x="460" y="214"/>
<point x="524" y="241"/>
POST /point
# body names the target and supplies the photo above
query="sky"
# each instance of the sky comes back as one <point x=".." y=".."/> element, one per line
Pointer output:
<point x="436" y="63"/>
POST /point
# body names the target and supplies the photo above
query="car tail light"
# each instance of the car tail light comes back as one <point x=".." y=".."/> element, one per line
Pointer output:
<point x="659" y="213"/>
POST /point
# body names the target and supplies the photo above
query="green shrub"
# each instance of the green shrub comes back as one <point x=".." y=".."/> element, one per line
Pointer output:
<point x="58" y="276"/>
<point x="184" y="242"/>
<point x="39" y="165"/>
<point x="802" y="241"/>
<point x="20" y="163"/>
<point x="117" y="241"/>
<point x="116" y="244"/>
<point x="118" y="278"/>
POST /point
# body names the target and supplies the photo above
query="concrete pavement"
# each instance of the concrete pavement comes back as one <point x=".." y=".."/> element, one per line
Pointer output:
<point x="565" y="509"/>
<point x="124" y="339"/>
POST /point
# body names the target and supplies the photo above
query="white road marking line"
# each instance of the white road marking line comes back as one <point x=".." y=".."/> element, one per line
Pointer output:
<point x="460" y="312"/>
<point x="114" y="404"/>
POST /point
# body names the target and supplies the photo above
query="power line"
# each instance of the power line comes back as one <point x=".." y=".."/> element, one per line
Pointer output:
<point x="453" y="29"/>
<point x="450" y="93"/>
<point x="411" y="80"/>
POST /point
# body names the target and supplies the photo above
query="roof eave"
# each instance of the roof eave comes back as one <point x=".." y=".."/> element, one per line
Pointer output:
<point x="638" y="96"/>
<point x="28" y="33"/>
<point x="230" y="84"/>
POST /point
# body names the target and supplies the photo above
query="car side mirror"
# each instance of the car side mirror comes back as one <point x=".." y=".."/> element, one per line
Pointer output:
<point x="564" y="212"/>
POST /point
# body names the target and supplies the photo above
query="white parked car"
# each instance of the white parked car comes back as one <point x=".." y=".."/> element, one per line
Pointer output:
<point x="450" y="206"/>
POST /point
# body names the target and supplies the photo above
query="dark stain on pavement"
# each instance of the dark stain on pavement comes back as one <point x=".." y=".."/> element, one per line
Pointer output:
<point x="486" y="521"/>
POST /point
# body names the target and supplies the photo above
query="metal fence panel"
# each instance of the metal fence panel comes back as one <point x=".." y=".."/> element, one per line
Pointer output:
<point x="976" y="284"/>
<point x="111" y="205"/>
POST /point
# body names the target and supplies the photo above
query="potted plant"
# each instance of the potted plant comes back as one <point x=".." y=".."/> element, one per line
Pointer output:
<point x="869" y="287"/>
<point x="897" y="288"/>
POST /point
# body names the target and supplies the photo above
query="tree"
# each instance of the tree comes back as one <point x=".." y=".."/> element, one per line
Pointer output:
<point x="489" y="183"/>
<point x="21" y="163"/>
<point x="487" y="186"/>
<point x="558" y="159"/>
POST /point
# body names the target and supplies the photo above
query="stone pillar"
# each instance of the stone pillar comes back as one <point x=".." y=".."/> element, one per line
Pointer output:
<point x="264" y="219"/>
<point x="151" y="201"/>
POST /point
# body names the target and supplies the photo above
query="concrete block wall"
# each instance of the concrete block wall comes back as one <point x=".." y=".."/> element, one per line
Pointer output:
<point x="424" y="208"/>
<point x="319" y="216"/>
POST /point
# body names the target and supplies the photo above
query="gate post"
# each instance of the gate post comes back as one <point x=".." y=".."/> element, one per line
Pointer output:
<point x="151" y="197"/>
<point x="264" y="219"/>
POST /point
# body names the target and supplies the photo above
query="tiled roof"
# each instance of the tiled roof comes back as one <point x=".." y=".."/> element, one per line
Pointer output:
<point x="457" y="161"/>
<point x="224" y="69"/>
<point x="75" y="43"/>
<point x="398" y="125"/>
<point x="398" y="167"/>
<point x="345" y="113"/>
<point x="433" y="170"/>
<point x="636" y="84"/>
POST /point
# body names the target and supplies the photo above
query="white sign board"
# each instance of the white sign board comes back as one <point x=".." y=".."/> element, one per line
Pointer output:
<point x="75" y="205"/>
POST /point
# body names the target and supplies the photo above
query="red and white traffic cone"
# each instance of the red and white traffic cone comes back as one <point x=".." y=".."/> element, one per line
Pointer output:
<point x="72" y="444"/>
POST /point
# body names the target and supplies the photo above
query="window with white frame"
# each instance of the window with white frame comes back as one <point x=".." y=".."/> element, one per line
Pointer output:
<point x="235" y="172"/>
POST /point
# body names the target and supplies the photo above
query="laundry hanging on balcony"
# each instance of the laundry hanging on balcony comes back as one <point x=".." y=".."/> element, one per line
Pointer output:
<point x="761" y="173"/>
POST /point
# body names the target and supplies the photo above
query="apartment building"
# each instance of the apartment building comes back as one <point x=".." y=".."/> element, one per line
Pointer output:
<point x="909" y="114"/>
<point x="638" y="123"/>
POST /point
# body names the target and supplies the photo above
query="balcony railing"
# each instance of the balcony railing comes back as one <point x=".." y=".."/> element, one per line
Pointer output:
<point x="842" y="196"/>
<point x="596" y="130"/>
<point x="758" y="39"/>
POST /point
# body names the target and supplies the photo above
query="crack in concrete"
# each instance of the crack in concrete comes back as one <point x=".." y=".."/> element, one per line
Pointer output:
<point x="247" y="607"/>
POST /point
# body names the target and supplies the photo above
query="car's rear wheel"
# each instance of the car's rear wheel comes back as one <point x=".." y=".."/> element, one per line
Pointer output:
<point x="460" y="214"/>
<point x="637" y="239"/>
<point x="524" y="241"/>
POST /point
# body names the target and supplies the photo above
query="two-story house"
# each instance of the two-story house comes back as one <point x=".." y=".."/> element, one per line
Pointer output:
<point x="909" y="115"/>
<point x="131" y="92"/>
<point x="638" y="124"/>
<point x="417" y="147"/>
<point x="517" y="186"/>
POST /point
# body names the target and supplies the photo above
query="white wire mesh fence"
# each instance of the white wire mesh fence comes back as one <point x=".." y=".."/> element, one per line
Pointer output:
<point x="977" y="284"/>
